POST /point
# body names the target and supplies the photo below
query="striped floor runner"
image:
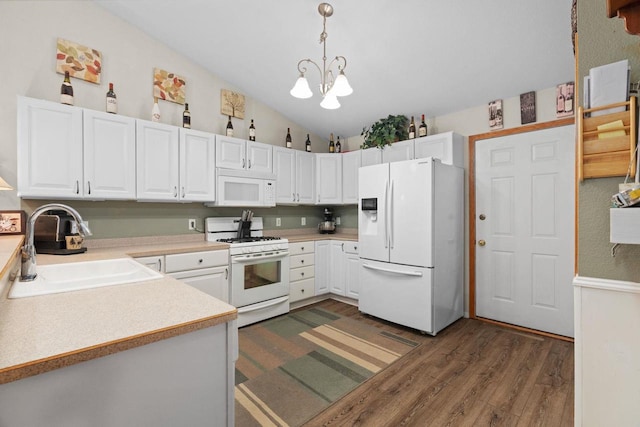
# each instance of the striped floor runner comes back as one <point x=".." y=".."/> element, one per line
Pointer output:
<point x="293" y="366"/>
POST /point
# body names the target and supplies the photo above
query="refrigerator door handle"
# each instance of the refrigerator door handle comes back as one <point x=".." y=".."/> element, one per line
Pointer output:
<point x="390" y="270"/>
<point x="386" y="221"/>
<point x="390" y="203"/>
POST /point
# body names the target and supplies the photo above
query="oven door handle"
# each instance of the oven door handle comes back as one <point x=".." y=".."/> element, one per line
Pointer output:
<point x="260" y="306"/>
<point x="259" y="257"/>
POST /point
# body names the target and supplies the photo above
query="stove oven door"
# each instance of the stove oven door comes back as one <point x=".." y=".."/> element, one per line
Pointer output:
<point x="259" y="277"/>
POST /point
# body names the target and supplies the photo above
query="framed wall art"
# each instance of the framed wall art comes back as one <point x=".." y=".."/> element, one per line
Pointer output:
<point x="12" y="222"/>
<point x="80" y="61"/>
<point x="232" y="103"/>
<point x="528" y="107"/>
<point x="495" y="115"/>
<point x="564" y="99"/>
<point x="169" y="86"/>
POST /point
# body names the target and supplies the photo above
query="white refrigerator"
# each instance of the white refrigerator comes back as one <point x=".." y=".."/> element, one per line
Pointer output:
<point x="411" y="230"/>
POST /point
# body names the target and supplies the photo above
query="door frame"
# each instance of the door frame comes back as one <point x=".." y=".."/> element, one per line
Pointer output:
<point x="472" y="203"/>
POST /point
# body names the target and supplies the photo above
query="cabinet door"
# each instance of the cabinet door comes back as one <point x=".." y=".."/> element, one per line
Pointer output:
<point x="109" y="156"/>
<point x="323" y="260"/>
<point x="350" y="166"/>
<point x="448" y="147"/>
<point x="329" y="179"/>
<point x="371" y="156"/>
<point x="336" y="267"/>
<point x="230" y="152"/>
<point x="398" y="152"/>
<point x="213" y="281"/>
<point x="260" y="157"/>
<point x="49" y="149"/>
<point x="352" y="275"/>
<point x="197" y="166"/>
<point x="157" y="161"/>
<point x="284" y="166"/>
<point x="305" y="177"/>
<point x="155" y="263"/>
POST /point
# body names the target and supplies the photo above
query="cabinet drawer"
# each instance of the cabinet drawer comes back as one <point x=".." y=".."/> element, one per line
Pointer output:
<point x="195" y="260"/>
<point x="301" y="273"/>
<point x="350" y="248"/>
<point x="301" y="289"/>
<point x="301" y="248"/>
<point x="302" y="260"/>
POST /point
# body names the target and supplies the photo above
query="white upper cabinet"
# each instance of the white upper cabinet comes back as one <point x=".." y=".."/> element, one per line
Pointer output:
<point x="109" y="156"/>
<point x="398" y="151"/>
<point x="49" y="149"/>
<point x="329" y="179"/>
<point x="371" y="156"/>
<point x="235" y="153"/>
<point x="157" y="150"/>
<point x="295" y="176"/>
<point x="447" y="146"/>
<point x="305" y="177"/>
<point x="350" y="165"/>
<point x="67" y="152"/>
<point x="197" y="166"/>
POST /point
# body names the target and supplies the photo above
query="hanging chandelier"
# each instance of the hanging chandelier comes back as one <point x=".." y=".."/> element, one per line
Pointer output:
<point x="330" y="87"/>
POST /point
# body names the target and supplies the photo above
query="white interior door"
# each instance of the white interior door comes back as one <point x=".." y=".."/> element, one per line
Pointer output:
<point x="525" y="229"/>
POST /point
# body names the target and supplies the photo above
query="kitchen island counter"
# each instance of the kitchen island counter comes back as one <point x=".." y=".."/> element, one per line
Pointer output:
<point x="42" y="333"/>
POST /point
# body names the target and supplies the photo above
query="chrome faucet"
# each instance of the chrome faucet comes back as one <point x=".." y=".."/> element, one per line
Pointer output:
<point x="28" y="268"/>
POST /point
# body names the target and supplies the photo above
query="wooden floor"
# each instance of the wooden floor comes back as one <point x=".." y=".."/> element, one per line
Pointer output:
<point x="470" y="374"/>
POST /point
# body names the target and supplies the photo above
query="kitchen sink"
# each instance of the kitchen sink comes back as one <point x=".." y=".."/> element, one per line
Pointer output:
<point x="75" y="276"/>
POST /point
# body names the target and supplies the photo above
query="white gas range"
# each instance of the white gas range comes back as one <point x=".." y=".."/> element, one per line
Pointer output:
<point x="259" y="265"/>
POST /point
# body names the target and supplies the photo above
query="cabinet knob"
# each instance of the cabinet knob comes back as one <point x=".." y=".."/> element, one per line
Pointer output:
<point x="302" y="290"/>
<point x="302" y="248"/>
<point x="302" y="261"/>
<point x="200" y="261"/>
<point x="302" y="273"/>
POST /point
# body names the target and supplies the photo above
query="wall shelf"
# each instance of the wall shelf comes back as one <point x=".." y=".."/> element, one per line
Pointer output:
<point x="599" y="156"/>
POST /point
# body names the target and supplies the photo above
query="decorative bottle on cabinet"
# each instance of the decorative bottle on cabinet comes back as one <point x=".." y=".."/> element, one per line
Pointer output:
<point x="66" y="90"/>
<point x="155" y="111"/>
<point x="412" y="129"/>
<point x="287" y="140"/>
<point x="422" y="130"/>
<point x="186" y="117"/>
<point x="332" y="146"/>
<point x="229" y="131"/>
<point x="112" y="101"/>
<point x="338" y="146"/>
<point x="307" y="144"/>
<point x="252" y="131"/>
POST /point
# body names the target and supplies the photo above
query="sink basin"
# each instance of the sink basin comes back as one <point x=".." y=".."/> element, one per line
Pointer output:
<point x="74" y="276"/>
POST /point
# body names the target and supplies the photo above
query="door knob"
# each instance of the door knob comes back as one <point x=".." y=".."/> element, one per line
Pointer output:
<point x="482" y="242"/>
<point x="482" y="217"/>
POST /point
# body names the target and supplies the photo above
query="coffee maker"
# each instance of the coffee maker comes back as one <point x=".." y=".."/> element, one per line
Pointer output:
<point x="56" y="233"/>
<point x="328" y="225"/>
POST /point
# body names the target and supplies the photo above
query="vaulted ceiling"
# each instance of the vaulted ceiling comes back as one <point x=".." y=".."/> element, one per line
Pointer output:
<point x="407" y="57"/>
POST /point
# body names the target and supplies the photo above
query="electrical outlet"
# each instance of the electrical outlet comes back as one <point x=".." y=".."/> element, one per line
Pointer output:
<point x="278" y="222"/>
<point x="192" y="224"/>
<point x="303" y="221"/>
<point x="337" y="220"/>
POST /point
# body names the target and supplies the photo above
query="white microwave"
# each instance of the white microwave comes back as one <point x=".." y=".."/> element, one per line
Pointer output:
<point x="243" y="188"/>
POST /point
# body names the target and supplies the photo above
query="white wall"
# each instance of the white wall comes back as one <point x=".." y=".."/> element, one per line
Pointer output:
<point x="29" y="30"/>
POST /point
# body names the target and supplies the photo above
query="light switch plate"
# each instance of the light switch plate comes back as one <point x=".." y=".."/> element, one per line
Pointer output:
<point x="303" y="221"/>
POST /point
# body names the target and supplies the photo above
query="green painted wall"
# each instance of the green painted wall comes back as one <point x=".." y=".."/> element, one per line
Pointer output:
<point x="601" y="41"/>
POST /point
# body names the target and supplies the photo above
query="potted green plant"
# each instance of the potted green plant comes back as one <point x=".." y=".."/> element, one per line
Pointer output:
<point x="385" y="131"/>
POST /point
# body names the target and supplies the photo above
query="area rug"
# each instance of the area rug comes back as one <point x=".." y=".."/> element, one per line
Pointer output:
<point x="292" y="367"/>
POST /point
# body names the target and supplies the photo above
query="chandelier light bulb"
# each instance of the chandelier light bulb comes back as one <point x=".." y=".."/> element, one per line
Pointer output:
<point x="330" y="102"/>
<point x="301" y="88"/>
<point x="341" y="86"/>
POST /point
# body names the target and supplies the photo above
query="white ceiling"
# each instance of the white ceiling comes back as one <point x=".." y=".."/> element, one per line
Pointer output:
<point x="404" y="56"/>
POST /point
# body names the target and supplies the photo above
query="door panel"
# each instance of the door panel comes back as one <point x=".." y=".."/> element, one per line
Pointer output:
<point x="525" y="230"/>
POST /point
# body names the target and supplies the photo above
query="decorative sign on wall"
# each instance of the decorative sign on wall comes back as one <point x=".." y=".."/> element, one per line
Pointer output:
<point x="12" y="222"/>
<point x="168" y="86"/>
<point x="564" y="99"/>
<point x="528" y="107"/>
<point x="495" y="114"/>
<point x="80" y="61"/>
<point x="232" y="103"/>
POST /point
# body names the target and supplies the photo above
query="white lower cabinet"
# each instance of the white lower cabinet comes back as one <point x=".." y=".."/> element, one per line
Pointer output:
<point x="301" y="271"/>
<point x="337" y="269"/>
<point x="155" y="263"/>
<point x="207" y="271"/>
